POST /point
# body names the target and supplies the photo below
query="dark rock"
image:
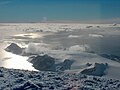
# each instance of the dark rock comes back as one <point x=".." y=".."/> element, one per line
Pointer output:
<point x="51" y="87"/>
<point x="43" y="63"/>
<point x="96" y="79"/>
<point x="88" y="64"/>
<point x="89" y="26"/>
<point x="66" y="65"/>
<point x="14" y="48"/>
<point x="1" y="71"/>
<point x="40" y="85"/>
<point x="19" y="80"/>
<point x="27" y="86"/>
<point x="90" y="81"/>
<point x="118" y="85"/>
<point x="97" y="70"/>
<point x="20" y="75"/>
<point x="98" y="26"/>
<point x="1" y="75"/>
<point x="58" y="78"/>
<point x="30" y="76"/>
<point x="47" y="63"/>
<point x="114" y="24"/>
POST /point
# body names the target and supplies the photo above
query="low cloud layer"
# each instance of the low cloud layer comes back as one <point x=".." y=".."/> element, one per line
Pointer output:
<point x="79" y="48"/>
<point x="35" y="49"/>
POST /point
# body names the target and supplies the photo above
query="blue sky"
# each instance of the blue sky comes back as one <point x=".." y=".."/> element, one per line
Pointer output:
<point x="55" y="10"/>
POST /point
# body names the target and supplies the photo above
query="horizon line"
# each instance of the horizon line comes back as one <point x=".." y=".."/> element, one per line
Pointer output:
<point x="100" y="21"/>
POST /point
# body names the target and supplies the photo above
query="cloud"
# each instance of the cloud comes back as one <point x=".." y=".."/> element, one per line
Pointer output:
<point x="36" y="49"/>
<point x="79" y="48"/>
<point x="95" y="35"/>
<point x="74" y="36"/>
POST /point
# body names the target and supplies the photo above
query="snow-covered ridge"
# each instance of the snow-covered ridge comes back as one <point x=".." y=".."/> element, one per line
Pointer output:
<point x="31" y="80"/>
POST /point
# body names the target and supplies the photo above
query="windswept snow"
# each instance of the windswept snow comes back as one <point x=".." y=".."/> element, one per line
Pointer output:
<point x="30" y="80"/>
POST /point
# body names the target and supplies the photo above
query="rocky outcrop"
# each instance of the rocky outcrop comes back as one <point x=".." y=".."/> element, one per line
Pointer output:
<point x="14" y="48"/>
<point x="97" y="70"/>
<point x="66" y="65"/>
<point x="43" y="63"/>
<point x="47" y="63"/>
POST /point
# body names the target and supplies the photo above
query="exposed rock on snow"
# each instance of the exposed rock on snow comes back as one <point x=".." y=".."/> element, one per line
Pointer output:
<point x="11" y="79"/>
<point x="66" y="65"/>
<point x="88" y="64"/>
<point x="98" y="26"/>
<point x="97" y="70"/>
<point x="14" y="48"/>
<point x="89" y="26"/>
<point x="47" y="63"/>
<point x="43" y="63"/>
<point x="114" y="24"/>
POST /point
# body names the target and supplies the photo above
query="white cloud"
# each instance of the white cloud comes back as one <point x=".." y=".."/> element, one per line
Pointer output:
<point x="73" y="36"/>
<point x="36" y="49"/>
<point x="95" y="35"/>
<point x="79" y="48"/>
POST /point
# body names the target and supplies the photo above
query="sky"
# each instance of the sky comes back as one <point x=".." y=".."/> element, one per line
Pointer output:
<point x="59" y="10"/>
